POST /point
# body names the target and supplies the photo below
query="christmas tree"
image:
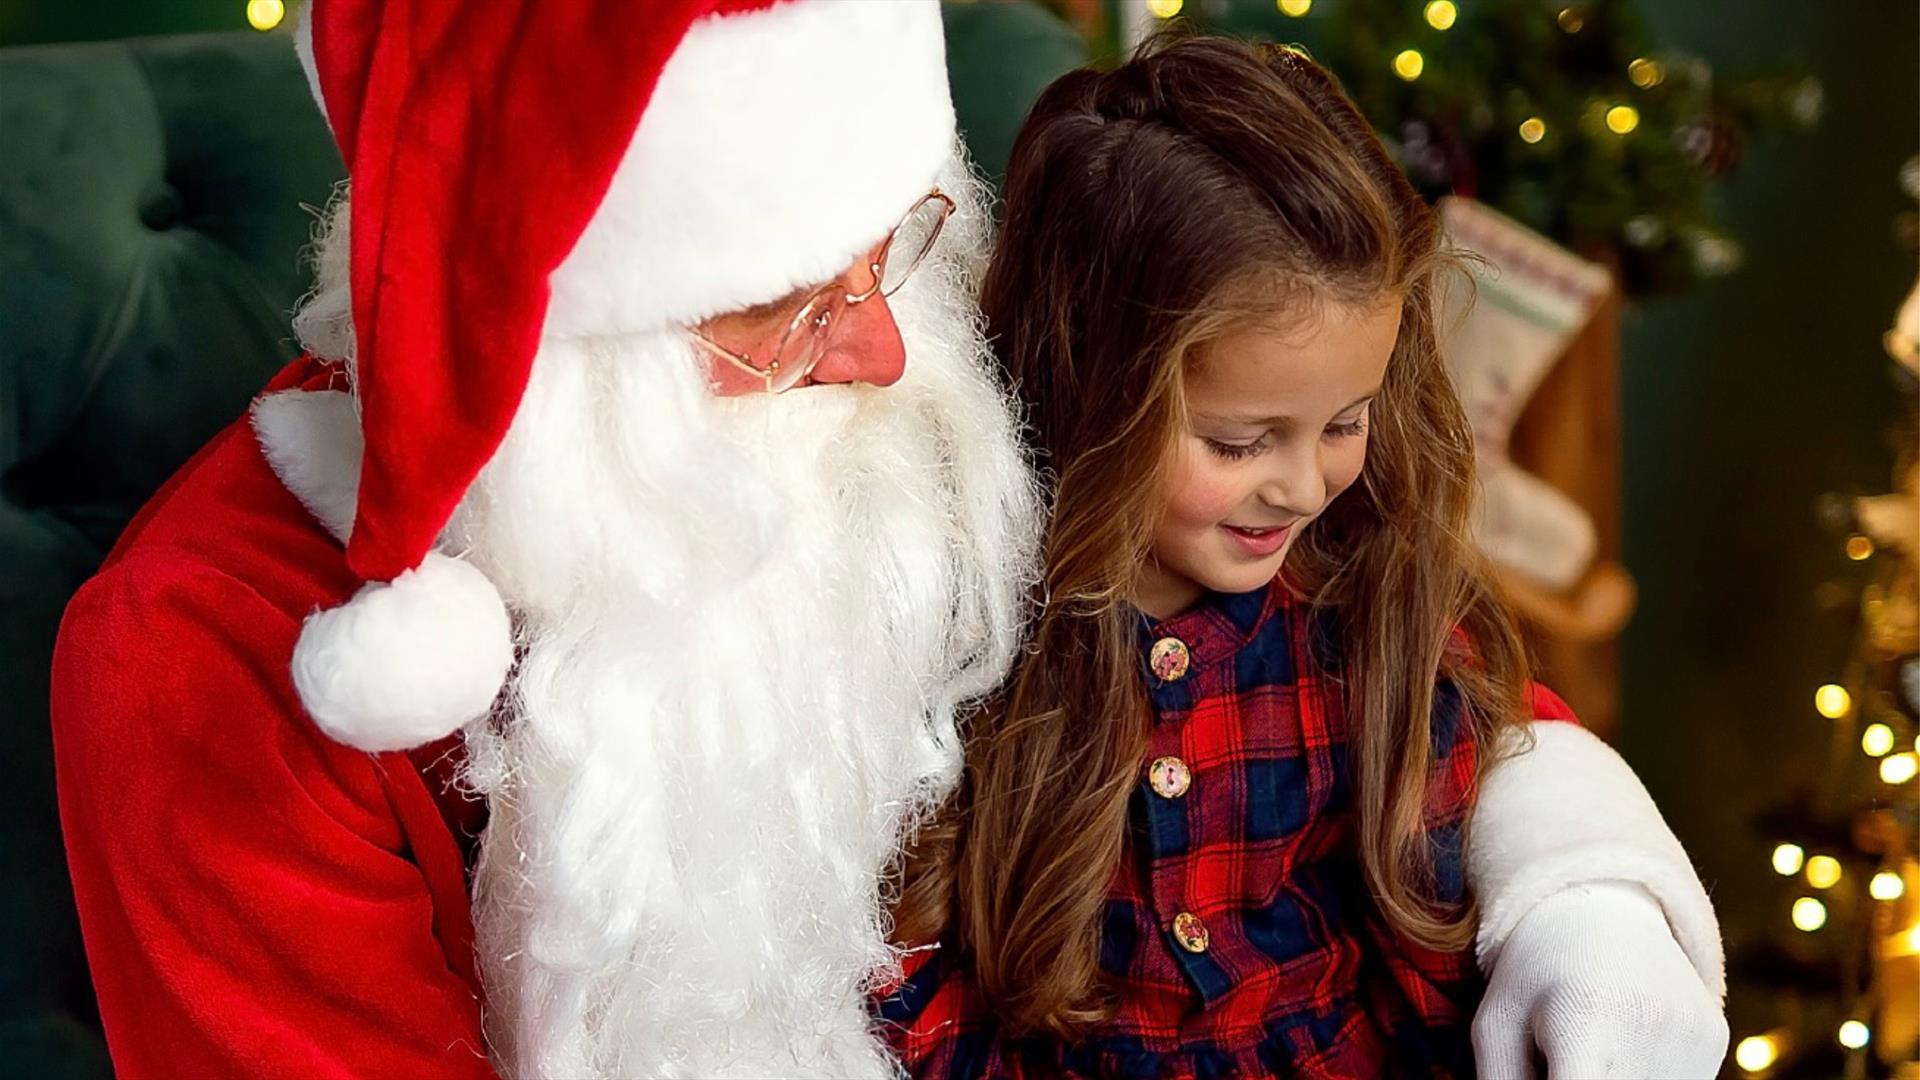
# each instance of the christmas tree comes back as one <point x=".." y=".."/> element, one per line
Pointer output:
<point x="1567" y="116"/>
<point x="1843" y="971"/>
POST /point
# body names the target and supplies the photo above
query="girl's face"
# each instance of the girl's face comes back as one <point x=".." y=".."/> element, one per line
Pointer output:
<point x="1276" y="429"/>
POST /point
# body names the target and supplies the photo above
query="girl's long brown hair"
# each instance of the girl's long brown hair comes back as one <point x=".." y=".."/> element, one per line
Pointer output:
<point x="1148" y="209"/>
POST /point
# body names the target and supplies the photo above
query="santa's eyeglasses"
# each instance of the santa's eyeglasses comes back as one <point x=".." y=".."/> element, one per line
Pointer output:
<point x="810" y="327"/>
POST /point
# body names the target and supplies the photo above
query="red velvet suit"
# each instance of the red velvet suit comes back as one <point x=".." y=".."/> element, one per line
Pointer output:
<point x="235" y="867"/>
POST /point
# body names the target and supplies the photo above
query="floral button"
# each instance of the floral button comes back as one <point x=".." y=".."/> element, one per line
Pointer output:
<point x="1190" y="932"/>
<point x="1169" y="659"/>
<point x="1169" y="777"/>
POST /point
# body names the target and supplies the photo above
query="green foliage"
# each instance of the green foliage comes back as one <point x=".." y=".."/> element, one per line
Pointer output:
<point x="1641" y="198"/>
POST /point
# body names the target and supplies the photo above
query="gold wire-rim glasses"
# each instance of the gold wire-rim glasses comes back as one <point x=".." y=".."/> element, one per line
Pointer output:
<point x="796" y="356"/>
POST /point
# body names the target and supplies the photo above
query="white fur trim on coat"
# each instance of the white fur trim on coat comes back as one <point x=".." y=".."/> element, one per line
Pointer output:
<point x="404" y="662"/>
<point x="1567" y="812"/>
<point x="778" y="145"/>
<point x="303" y="49"/>
<point x="313" y="443"/>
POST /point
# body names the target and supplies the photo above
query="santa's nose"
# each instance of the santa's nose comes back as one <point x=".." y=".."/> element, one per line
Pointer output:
<point x="865" y="348"/>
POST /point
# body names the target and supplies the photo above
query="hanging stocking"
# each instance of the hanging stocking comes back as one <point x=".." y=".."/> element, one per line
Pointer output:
<point x="1531" y="298"/>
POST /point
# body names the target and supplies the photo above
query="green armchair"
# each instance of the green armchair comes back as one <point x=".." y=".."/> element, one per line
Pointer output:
<point x="150" y="229"/>
<point x="155" y="197"/>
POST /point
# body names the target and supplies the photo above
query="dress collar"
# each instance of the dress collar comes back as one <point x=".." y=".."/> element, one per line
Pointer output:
<point x="1213" y="629"/>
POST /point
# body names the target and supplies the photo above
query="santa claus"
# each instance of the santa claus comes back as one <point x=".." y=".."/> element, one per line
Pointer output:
<point x="586" y="616"/>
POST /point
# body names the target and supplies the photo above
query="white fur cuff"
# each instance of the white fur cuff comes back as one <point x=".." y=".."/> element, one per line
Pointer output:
<point x="1567" y="812"/>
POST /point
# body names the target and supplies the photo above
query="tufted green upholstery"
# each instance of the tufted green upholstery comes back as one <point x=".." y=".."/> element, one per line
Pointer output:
<point x="999" y="57"/>
<point x="151" y="224"/>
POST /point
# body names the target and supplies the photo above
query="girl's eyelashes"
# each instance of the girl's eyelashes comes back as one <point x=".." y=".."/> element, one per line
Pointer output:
<point x="1348" y="430"/>
<point x="1233" y="451"/>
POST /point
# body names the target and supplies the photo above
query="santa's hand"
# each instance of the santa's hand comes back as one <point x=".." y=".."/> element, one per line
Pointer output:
<point x="1594" y="978"/>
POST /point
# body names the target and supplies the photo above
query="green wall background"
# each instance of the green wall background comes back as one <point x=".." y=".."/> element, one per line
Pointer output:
<point x="1743" y="403"/>
<point x="35" y="22"/>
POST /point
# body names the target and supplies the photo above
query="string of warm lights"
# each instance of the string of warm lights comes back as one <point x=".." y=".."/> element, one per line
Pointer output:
<point x="1410" y="63"/>
<point x="265" y="14"/>
<point x="1568" y="115"/>
<point x="1885" y="887"/>
<point x="1759" y="1053"/>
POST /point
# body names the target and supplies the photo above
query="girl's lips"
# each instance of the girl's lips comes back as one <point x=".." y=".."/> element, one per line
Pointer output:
<point x="1257" y="543"/>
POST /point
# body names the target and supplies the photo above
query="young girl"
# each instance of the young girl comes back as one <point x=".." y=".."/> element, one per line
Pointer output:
<point x="1213" y="826"/>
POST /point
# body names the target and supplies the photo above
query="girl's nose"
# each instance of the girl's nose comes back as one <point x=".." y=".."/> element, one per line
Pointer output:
<point x="1298" y="485"/>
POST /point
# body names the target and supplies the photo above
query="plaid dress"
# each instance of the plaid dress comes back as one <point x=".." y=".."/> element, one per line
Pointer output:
<point x="1238" y="930"/>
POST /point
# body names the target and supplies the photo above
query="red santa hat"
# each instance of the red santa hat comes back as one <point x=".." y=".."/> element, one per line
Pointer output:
<point x="530" y="169"/>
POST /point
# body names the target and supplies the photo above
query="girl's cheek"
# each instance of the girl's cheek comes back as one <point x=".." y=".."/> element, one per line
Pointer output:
<point x="1346" y="467"/>
<point x="1200" y="495"/>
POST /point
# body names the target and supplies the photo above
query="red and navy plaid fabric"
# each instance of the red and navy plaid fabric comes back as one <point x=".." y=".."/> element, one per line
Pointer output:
<point x="1299" y="975"/>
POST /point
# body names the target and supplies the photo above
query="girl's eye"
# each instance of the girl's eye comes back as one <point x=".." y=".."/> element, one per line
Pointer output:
<point x="1357" y="426"/>
<point x="1235" y="451"/>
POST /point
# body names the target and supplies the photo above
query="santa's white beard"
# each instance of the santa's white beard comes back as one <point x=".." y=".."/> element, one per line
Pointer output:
<point x="746" y="626"/>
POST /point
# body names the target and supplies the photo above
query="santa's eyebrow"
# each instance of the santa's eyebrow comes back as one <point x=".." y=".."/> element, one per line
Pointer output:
<point x="774" y="305"/>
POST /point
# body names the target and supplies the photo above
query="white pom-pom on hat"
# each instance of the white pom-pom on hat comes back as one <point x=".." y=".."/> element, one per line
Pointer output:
<point x="406" y="662"/>
<point x="401" y="663"/>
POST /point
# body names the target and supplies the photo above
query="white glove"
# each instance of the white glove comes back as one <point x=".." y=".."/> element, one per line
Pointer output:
<point x="1594" y="976"/>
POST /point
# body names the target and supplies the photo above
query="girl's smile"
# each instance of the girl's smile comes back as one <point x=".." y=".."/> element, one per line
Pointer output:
<point x="1258" y="543"/>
